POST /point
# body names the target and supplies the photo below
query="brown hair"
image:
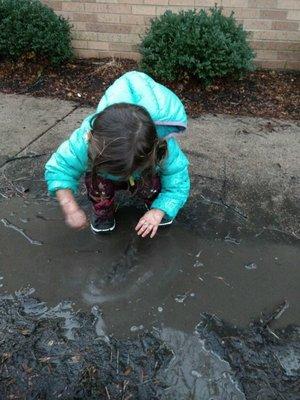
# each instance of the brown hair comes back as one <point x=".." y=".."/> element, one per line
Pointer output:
<point x="123" y="140"/>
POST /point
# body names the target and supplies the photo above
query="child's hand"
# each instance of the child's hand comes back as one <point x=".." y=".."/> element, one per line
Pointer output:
<point x="76" y="219"/>
<point x="149" y="223"/>
<point x="74" y="216"/>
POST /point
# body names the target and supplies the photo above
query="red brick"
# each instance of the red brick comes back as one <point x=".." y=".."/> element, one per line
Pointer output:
<point x="242" y="13"/>
<point x="156" y="2"/>
<point x="122" y="47"/>
<point x="275" y="64"/>
<point x="273" y="14"/>
<point x="97" y="45"/>
<point x="143" y="10"/>
<point x="294" y="15"/>
<point x="79" y="26"/>
<point x="129" y="54"/>
<point x="79" y="44"/>
<point x="266" y="55"/>
<point x="66" y="15"/>
<point x="55" y="5"/>
<point x="84" y="53"/>
<point x="72" y="7"/>
<point x="113" y="28"/>
<point x="273" y="45"/>
<point x="108" y="8"/>
<point x="132" y="19"/>
<point x="84" y="17"/>
<point x="285" y="25"/>
<point x="262" y="3"/>
<point x="293" y="65"/>
<point x="288" y="55"/>
<point x="190" y="3"/>
<point x="288" y="4"/>
<point x="205" y="3"/>
<point x="257" y="24"/>
<point x="109" y="18"/>
<point x="234" y="3"/>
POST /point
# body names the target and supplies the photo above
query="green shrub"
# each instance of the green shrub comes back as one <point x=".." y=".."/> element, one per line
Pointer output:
<point x="199" y="44"/>
<point x="28" y="26"/>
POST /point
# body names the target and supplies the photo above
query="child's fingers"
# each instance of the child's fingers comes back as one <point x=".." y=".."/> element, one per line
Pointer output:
<point x="142" y="229"/>
<point x="147" y="230"/>
<point x="154" y="230"/>
<point x="140" y="224"/>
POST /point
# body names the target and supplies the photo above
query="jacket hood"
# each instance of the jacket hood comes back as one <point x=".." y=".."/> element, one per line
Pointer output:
<point x="165" y="108"/>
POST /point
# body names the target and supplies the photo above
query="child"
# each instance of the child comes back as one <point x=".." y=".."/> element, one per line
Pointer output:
<point x="126" y="144"/>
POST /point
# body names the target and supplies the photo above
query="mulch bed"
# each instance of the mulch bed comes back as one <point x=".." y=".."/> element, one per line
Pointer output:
<point x="271" y="94"/>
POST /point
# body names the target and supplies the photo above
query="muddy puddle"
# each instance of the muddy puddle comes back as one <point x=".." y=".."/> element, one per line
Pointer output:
<point x="140" y="283"/>
<point x="182" y="302"/>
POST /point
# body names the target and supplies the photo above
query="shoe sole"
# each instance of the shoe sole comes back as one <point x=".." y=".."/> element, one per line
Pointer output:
<point x="94" y="230"/>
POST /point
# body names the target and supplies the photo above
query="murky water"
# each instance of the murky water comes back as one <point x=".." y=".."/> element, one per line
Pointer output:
<point x="140" y="283"/>
<point x="130" y="285"/>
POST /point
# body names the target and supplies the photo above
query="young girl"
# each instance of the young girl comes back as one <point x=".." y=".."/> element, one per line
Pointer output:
<point x="126" y="144"/>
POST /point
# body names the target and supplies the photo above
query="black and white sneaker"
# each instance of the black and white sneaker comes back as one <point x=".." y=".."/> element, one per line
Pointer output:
<point x="100" y="225"/>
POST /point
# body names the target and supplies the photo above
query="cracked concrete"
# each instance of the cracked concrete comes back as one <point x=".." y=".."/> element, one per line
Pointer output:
<point x="24" y="118"/>
<point x="241" y="163"/>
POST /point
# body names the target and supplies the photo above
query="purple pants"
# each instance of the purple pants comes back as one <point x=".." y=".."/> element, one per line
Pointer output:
<point x="102" y="194"/>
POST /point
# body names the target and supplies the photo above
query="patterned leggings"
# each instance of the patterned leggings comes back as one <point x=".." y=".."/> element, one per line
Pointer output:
<point x="102" y="195"/>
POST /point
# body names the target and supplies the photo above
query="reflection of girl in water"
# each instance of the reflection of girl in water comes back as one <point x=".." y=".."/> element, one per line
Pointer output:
<point x="126" y="144"/>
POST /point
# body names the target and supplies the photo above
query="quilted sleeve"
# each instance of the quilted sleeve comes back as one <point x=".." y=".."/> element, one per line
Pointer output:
<point x="175" y="181"/>
<point x="68" y="163"/>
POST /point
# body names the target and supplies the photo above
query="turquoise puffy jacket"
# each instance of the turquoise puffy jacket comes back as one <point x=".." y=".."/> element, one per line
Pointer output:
<point x="70" y="161"/>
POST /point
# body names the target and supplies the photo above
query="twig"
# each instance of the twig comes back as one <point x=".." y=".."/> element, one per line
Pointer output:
<point x="220" y="278"/>
<point x="117" y="361"/>
<point x="276" y="314"/>
<point x="12" y="185"/>
<point x="107" y="393"/>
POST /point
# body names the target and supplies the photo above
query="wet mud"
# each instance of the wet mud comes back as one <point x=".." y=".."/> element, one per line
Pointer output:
<point x="174" y="311"/>
<point x="51" y="353"/>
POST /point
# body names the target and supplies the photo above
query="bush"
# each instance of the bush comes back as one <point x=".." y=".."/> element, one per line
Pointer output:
<point x="199" y="44"/>
<point x="27" y="26"/>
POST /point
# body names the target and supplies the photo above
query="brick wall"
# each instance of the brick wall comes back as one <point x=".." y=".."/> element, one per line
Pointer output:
<point x="104" y="28"/>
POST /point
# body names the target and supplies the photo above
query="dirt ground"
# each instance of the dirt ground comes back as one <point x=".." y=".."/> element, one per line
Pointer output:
<point x="269" y="94"/>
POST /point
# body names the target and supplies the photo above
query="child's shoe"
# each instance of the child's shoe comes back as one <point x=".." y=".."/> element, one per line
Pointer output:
<point x="100" y="225"/>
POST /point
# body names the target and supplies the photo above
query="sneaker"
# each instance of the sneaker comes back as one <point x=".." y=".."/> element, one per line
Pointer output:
<point x="99" y="225"/>
<point x="166" y="221"/>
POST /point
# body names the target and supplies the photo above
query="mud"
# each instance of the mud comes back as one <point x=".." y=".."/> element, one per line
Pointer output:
<point x="40" y="360"/>
<point x="56" y="353"/>
<point x="119" y="317"/>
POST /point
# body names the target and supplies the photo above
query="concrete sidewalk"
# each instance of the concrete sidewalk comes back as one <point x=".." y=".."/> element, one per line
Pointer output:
<point x="247" y="162"/>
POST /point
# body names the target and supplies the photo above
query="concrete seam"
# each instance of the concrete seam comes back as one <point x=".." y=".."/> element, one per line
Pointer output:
<point x="41" y="135"/>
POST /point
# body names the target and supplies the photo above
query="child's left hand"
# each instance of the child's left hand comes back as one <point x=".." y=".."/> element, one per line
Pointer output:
<point x="149" y="223"/>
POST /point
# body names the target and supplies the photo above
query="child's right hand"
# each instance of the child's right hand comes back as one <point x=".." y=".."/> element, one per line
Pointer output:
<point x="76" y="219"/>
<point x="74" y="216"/>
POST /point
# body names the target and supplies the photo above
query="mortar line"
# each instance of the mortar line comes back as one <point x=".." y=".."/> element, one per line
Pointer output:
<point x="42" y="134"/>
